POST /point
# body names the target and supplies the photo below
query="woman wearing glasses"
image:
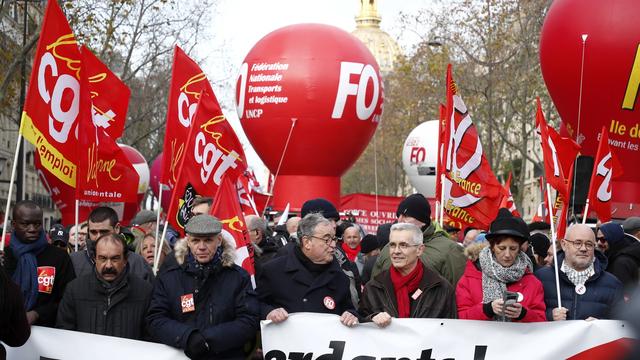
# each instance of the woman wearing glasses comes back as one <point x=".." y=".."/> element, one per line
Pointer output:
<point x="500" y="285"/>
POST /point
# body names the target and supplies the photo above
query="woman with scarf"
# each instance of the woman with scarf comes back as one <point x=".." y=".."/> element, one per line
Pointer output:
<point x="501" y="267"/>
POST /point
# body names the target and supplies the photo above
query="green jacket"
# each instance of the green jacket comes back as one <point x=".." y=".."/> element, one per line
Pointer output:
<point x="440" y="254"/>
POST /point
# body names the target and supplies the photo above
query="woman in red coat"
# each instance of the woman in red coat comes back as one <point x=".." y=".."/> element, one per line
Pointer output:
<point x="501" y="267"/>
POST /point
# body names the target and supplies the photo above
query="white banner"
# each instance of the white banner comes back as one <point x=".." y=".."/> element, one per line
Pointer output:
<point x="323" y="337"/>
<point x="48" y="343"/>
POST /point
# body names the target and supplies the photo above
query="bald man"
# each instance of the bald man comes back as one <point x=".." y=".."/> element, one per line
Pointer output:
<point x="586" y="290"/>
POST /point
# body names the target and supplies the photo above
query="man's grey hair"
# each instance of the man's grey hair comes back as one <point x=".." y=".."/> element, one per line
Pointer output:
<point x="308" y="224"/>
<point x="255" y="222"/>
<point x="414" y="230"/>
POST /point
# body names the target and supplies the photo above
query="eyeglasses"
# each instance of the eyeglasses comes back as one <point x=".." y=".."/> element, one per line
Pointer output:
<point x="578" y="244"/>
<point x="403" y="246"/>
<point x="601" y="239"/>
<point x="327" y="238"/>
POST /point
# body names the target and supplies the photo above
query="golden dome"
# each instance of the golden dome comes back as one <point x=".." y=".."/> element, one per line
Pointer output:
<point x="383" y="47"/>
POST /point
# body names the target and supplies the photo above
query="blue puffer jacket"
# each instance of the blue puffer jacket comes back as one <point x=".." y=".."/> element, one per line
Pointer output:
<point x="604" y="291"/>
<point x="226" y="306"/>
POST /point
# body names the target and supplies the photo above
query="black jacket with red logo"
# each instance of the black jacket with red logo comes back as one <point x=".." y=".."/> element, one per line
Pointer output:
<point x="52" y="261"/>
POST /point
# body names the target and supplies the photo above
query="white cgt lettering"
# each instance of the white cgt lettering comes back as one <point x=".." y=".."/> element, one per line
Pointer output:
<point x="183" y="102"/>
<point x="604" y="191"/>
<point x="208" y="156"/>
<point x="58" y="114"/>
<point x="346" y="88"/>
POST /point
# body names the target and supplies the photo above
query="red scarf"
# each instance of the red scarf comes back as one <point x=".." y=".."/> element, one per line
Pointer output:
<point x="404" y="286"/>
<point x="351" y="253"/>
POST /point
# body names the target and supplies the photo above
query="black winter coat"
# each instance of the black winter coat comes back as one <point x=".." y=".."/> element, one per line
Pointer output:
<point x="87" y="307"/>
<point x="604" y="292"/>
<point x="14" y="328"/>
<point x="226" y="308"/>
<point x="437" y="300"/>
<point x="625" y="265"/>
<point x="47" y="303"/>
<point x="286" y="283"/>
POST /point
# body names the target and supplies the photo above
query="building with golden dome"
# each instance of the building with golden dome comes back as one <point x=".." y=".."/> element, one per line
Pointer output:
<point x="383" y="47"/>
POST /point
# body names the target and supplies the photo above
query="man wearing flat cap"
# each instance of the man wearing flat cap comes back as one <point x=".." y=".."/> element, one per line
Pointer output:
<point x="203" y="302"/>
<point x="440" y="253"/>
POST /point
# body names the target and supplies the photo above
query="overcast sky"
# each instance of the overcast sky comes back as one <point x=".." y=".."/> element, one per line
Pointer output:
<point x="238" y="24"/>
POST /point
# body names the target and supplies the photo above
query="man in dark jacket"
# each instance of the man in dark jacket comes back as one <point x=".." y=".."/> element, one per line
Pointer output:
<point x="264" y="248"/>
<point x="111" y="301"/>
<point x="104" y="220"/>
<point x="408" y="289"/>
<point x="202" y="302"/>
<point x="40" y="269"/>
<point x="307" y="279"/>
<point x="586" y="289"/>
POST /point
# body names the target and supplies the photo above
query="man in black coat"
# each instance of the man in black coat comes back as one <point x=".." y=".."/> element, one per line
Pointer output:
<point x="202" y="302"/>
<point x="264" y="248"/>
<point x="307" y="279"/>
<point x="40" y="269"/>
<point x="112" y="301"/>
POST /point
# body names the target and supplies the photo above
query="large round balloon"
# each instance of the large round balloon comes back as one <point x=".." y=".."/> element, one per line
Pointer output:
<point x="141" y="166"/>
<point x="610" y="80"/>
<point x="420" y="156"/>
<point x="154" y="183"/>
<point x="326" y="82"/>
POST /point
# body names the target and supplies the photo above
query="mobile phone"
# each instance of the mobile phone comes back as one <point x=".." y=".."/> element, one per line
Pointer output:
<point x="509" y="298"/>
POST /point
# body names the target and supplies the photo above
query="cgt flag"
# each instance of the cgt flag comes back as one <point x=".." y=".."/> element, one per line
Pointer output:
<point x="104" y="173"/>
<point x="212" y="151"/>
<point x="226" y="207"/>
<point x="52" y="105"/>
<point x="471" y="193"/>
<point x="605" y="169"/>
<point x="187" y="81"/>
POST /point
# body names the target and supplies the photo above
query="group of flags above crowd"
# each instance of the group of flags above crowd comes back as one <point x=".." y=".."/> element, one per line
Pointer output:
<point x="469" y="192"/>
<point x="76" y="107"/>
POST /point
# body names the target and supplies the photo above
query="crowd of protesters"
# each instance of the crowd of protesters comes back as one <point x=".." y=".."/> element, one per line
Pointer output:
<point x="203" y="303"/>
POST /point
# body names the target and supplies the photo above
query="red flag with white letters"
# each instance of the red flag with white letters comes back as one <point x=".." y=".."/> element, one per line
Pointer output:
<point x="105" y="174"/>
<point x="226" y="207"/>
<point x="605" y="168"/>
<point x="212" y="151"/>
<point x="187" y="81"/>
<point x="507" y="199"/>
<point x="472" y="192"/>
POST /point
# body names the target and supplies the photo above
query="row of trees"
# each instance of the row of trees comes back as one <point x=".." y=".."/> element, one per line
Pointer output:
<point x="493" y="46"/>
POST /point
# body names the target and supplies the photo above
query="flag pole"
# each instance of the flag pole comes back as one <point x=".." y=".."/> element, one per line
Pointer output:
<point x="555" y="248"/>
<point x="284" y="151"/>
<point x="375" y="170"/>
<point x="573" y="195"/>
<point x="156" y="253"/>
<point x="158" y="217"/>
<point x="586" y="211"/>
<point x="13" y="177"/>
<point x="77" y="210"/>
<point x="441" y="198"/>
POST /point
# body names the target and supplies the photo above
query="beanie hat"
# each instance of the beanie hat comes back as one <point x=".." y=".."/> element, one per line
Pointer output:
<point x="417" y="207"/>
<point x="540" y="243"/>
<point x="383" y="234"/>
<point x="321" y="206"/>
<point x="507" y="224"/>
<point x="368" y="244"/>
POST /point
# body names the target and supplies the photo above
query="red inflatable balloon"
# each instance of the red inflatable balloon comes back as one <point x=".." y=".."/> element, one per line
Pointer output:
<point x="327" y="83"/>
<point x="141" y="166"/>
<point x="156" y="174"/>
<point x="610" y="81"/>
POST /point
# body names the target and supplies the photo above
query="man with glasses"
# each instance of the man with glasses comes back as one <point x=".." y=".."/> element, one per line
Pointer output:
<point x="587" y="291"/>
<point x="307" y="279"/>
<point x="103" y="220"/>
<point x="264" y="248"/>
<point x="202" y="302"/>
<point x="109" y="301"/>
<point x="408" y="289"/>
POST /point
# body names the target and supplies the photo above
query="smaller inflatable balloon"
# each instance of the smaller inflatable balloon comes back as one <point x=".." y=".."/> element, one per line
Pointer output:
<point x="419" y="157"/>
<point x="156" y="174"/>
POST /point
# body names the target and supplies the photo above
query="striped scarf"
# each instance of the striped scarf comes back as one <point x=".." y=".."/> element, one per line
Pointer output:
<point x="577" y="277"/>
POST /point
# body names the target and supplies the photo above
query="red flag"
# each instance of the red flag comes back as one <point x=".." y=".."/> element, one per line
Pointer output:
<point x="561" y="211"/>
<point x="212" y="150"/>
<point x="472" y="192"/>
<point x="187" y="81"/>
<point x="606" y="167"/>
<point x="507" y="199"/>
<point x="226" y="207"/>
<point x="245" y="195"/>
<point x="558" y="153"/>
<point x="52" y="104"/>
<point x="542" y="213"/>
<point x="104" y="173"/>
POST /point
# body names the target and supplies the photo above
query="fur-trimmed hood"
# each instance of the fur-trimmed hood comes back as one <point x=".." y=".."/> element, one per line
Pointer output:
<point x="181" y="249"/>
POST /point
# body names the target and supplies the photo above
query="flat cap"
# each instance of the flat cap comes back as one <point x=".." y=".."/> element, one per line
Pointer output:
<point x="203" y="225"/>
<point x="631" y="224"/>
<point x="143" y="217"/>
